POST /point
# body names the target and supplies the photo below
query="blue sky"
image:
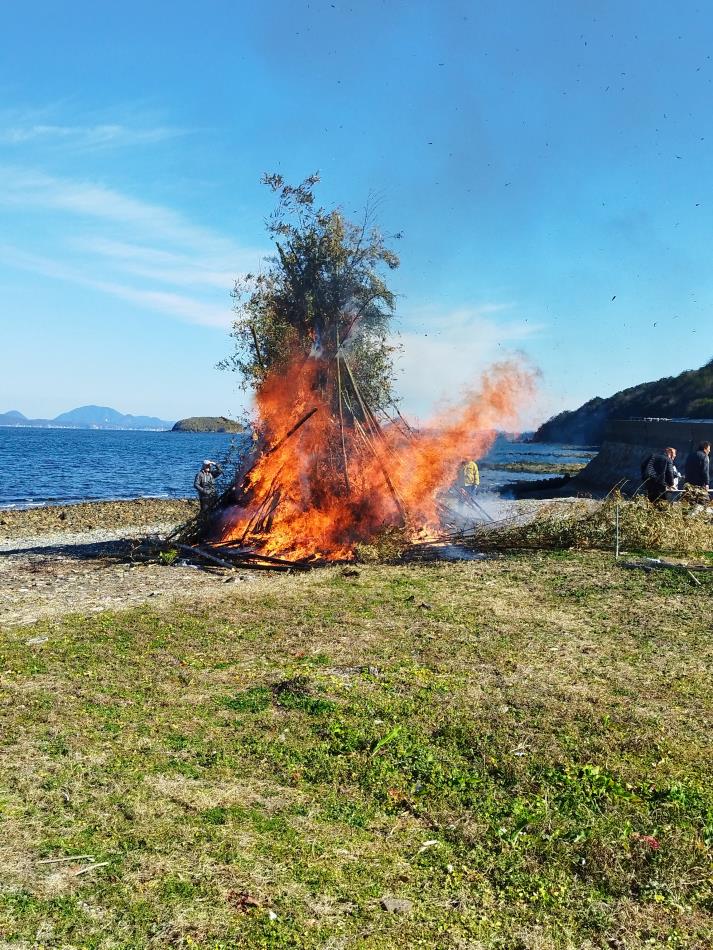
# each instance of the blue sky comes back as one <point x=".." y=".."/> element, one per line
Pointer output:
<point x="549" y="164"/>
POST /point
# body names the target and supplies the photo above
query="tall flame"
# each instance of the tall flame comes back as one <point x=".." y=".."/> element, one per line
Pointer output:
<point x="322" y="484"/>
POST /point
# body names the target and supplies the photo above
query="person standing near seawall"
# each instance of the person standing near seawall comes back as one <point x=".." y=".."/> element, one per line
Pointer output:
<point x="657" y="473"/>
<point x="204" y="483"/>
<point x="698" y="470"/>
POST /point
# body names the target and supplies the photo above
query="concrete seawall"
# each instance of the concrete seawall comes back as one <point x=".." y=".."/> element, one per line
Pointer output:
<point x="627" y="441"/>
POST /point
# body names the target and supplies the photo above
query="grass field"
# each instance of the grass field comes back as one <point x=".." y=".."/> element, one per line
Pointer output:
<point x="518" y="750"/>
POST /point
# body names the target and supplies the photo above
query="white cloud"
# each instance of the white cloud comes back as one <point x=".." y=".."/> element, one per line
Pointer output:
<point x="102" y="136"/>
<point x="22" y="188"/>
<point x="141" y="252"/>
<point x="164" y="266"/>
<point x="180" y="306"/>
<point x="54" y="127"/>
<point x="185" y="308"/>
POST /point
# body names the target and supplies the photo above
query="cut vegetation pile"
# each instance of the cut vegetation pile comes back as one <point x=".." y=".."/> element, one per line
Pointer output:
<point x="681" y="528"/>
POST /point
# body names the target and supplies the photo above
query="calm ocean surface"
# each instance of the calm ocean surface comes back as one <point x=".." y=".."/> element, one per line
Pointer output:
<point x="62" y="465"/>
<point x="40" y="466"/>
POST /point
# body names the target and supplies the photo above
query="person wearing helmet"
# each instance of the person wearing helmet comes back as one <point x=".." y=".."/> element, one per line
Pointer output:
<point x="204" y="483"/>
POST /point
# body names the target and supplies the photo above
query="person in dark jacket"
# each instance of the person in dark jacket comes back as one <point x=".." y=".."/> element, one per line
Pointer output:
<point x="204" y="483"/>
<point x="698" y="466"/>
<point x="657" y="473"/>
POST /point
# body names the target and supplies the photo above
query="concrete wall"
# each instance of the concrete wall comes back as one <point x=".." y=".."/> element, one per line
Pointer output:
<point x="682" y="434"/>
<point x="627" y="441"/>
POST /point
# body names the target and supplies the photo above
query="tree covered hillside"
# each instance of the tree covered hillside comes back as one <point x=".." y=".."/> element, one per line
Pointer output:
<point x="688" y="395"/>
<point x="208" y="424"/>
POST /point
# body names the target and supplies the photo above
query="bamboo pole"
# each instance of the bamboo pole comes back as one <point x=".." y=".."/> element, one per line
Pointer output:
<point x="236" y="552"/>
<point x="367" y="414"/>
<point x="292" y="431"/>
<point x="341" y="417"/>
<point x="392" y="488"/>
<point x="272" y="449"/>
<point x="408" y="427"/>
<point x="372" y="448"/>
<point x="257" y="347"/>
<point x="261" y="512"/>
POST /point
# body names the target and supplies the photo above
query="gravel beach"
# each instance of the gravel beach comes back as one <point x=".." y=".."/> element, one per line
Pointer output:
<point x="75" y="558"/>
<point x="64" y="559"/>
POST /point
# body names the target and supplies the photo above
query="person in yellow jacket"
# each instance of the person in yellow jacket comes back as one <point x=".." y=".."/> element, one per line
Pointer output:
<point x="469" y="476"/>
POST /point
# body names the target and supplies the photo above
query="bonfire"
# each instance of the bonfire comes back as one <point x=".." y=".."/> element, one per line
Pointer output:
<point x="336" y="465"/>
<point x="323" y="482"/>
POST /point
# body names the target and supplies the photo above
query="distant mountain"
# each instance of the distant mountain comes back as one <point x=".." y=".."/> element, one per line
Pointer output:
<point x="12" y="418"/>
<point x="102" y="417"/>
<point x="86" y="417"/>
<point x="686" y="396"/>
<point x="208" y="424"/>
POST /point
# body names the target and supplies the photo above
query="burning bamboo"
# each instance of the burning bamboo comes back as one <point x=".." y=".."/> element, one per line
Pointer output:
<point x="241" y="554"/>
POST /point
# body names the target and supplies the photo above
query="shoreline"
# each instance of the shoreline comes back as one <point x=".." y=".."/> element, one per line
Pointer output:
<point x="87" y="516"/>
<point x="10" y="425"/>
<point x="152" y="513"/>
<point x="31" y="505"/>
<point x="78" y="559"/>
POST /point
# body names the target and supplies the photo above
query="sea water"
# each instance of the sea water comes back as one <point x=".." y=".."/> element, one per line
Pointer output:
<point x="40" y="466"/>
<point x="52" y="466"/>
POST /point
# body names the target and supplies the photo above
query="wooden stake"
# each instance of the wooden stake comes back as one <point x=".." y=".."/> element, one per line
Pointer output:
<point x="93" y="867"/>
<point x="70" y="857"/>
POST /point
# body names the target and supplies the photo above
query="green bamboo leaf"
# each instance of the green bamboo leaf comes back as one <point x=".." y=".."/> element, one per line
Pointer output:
<point x="389" y="737"/>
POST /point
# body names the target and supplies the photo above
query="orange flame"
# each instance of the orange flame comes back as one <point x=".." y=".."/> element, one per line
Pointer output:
<point x="319" y="488"/>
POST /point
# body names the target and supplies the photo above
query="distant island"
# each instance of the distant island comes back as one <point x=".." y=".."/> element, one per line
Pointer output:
<point x="686" y="396"/>
<point x="208" y="424"/>
<point x="86" y="417"/>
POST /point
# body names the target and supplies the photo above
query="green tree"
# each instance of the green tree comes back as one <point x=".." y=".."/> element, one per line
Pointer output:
<point x="321" y="291"/>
